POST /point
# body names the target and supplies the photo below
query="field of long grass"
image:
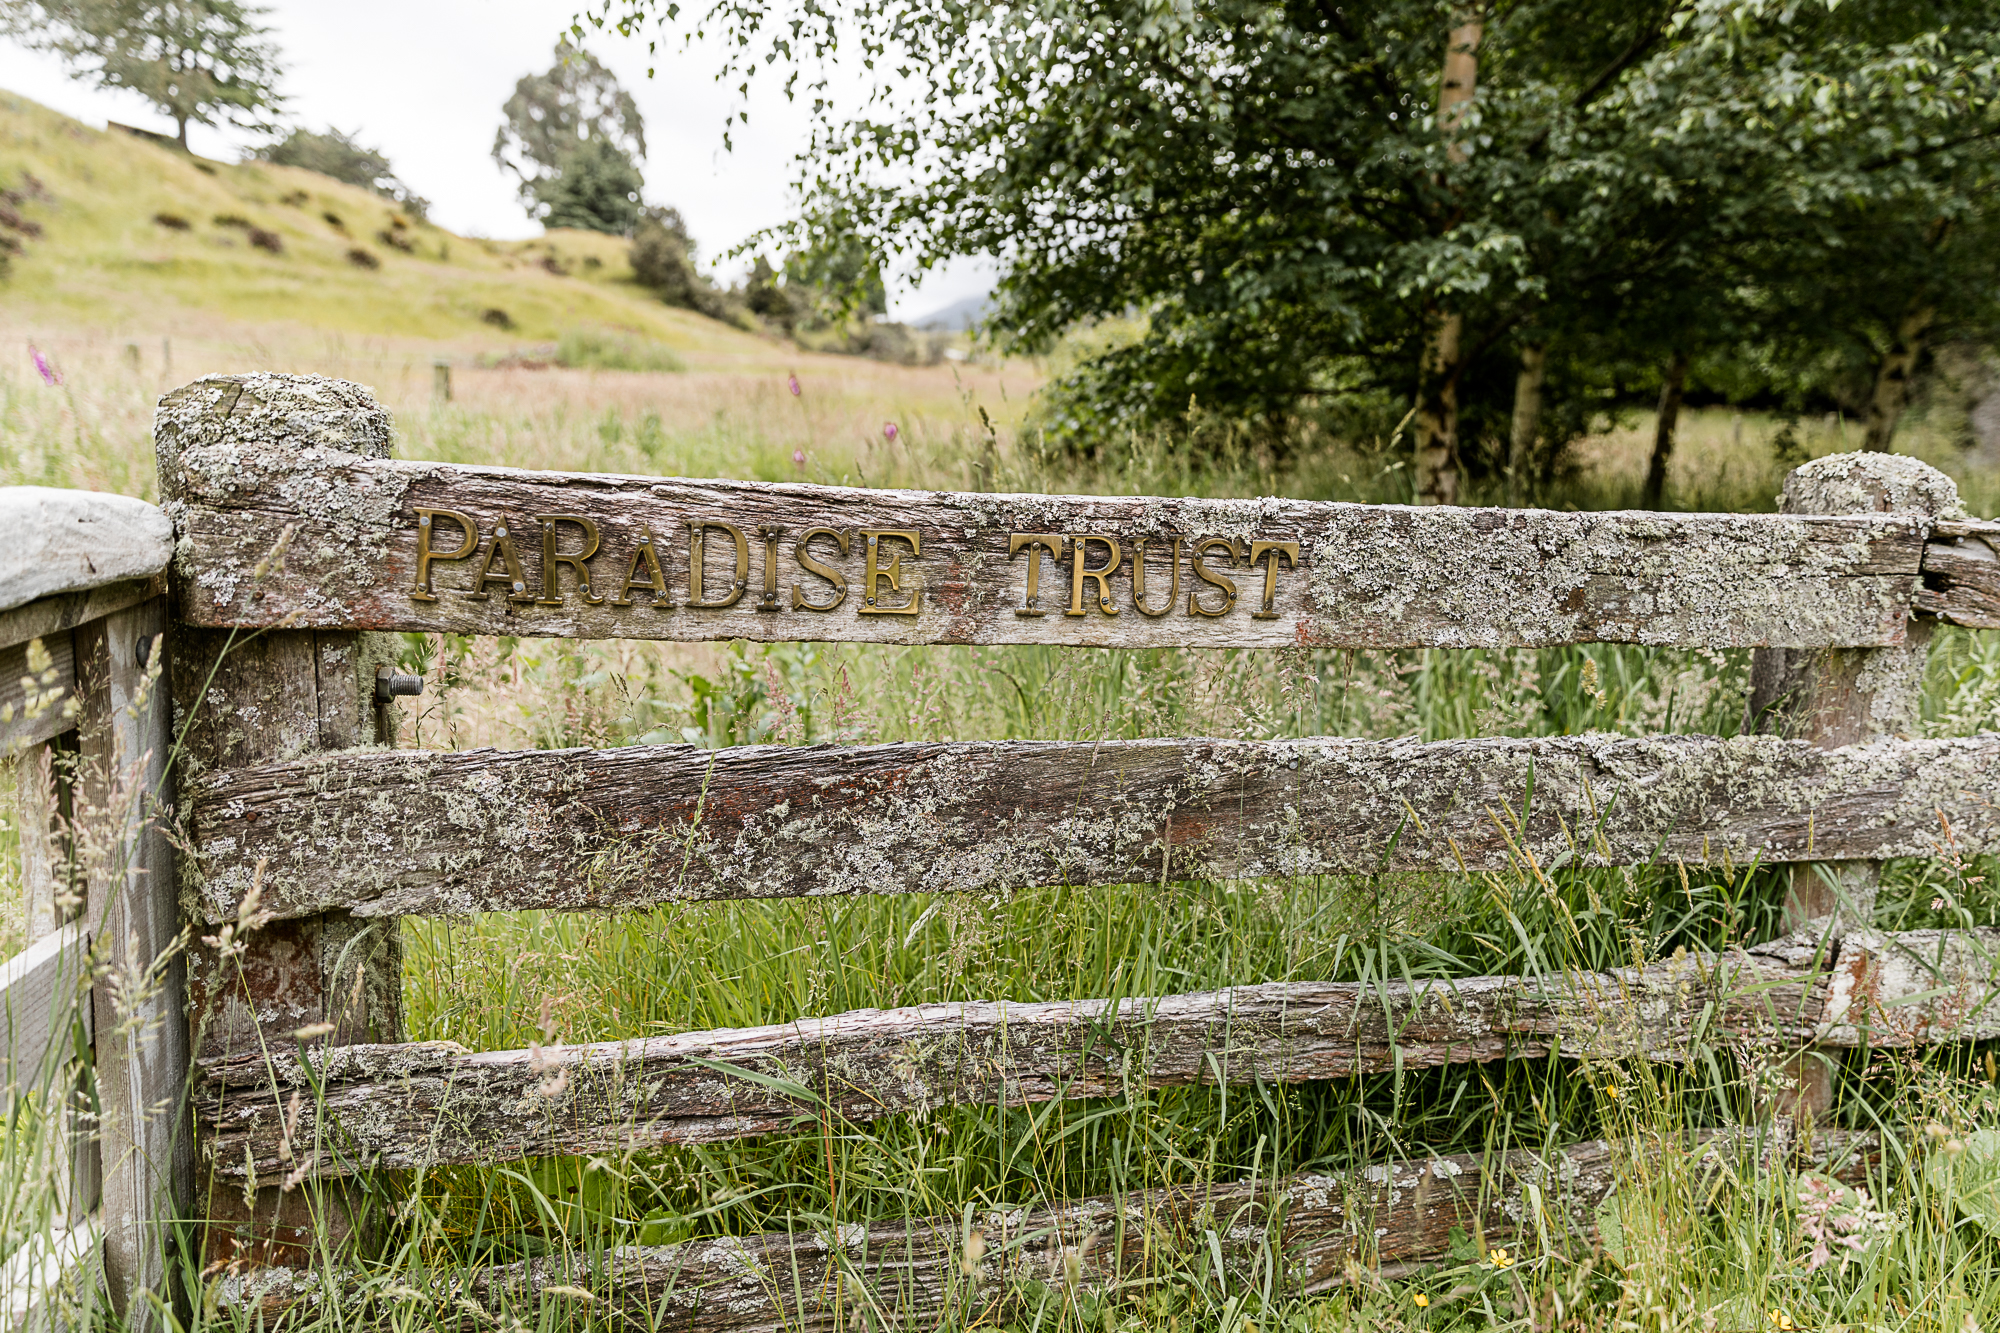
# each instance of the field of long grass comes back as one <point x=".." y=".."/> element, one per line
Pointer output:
<point x="1694" y="1242"/>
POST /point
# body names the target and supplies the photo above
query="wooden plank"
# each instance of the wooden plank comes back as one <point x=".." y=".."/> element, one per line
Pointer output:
<point x="50" y="1282"/>
<point x="433" y="1103"/>
<point x="142" y="1052"/>
<point x="58" y="615"/>
<point x="45" y="868"/>
<point x="40" y="992"/>
<point x="61" y="541"/>
<point x="1962" y="581"/>
<point x="1329" y="1229"/>
<point x="284" y="519"/>
<point x="37" y="692"/>
<point x="429" y="833"/>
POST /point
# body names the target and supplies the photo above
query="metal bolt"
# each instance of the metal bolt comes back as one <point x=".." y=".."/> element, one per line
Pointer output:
<point x="424" y="522"/>
<point x="500" y="531"/>
<point x="520" y="586"/>
<point x="389" y="683"/>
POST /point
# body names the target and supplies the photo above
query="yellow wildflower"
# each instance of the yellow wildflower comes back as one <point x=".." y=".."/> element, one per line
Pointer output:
<point x="1499" y="1259"/>
<point x="1782" y="1321"/>
<point x="1423" y="1301"/>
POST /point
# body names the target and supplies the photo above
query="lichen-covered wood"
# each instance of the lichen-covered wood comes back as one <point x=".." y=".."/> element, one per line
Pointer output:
<point x="921" y="1274"/>
<point x="1962" y="578"/>
<point x="434" y="833"/>
<point x="433" y="1103"/>
<point x="283" y="517"/>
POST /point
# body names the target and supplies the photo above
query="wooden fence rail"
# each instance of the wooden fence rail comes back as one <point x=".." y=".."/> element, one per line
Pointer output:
<point x="392" y="833"/>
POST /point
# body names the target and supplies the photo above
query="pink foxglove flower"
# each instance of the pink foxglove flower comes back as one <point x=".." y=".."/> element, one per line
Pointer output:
<point x="798" y="458"/>
<point x="50" y="375"/>
<point x="889" y="431"/>
<point x="793" y="381"/>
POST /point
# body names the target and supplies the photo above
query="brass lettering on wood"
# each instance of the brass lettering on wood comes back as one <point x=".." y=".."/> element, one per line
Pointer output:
<point x="576" y="560"/>
<point x="426" y="523"/>
<point x="1201" y="571"/>
<point x="696" y="593"/>
<point x="878" y="539"/>
<point x="500" y="547"/>
<point x="827" y="572"/>
<point x="1079" y="570"/>
<point x="1258" y="550"/>
<point x="1034" y="543"/>
<point x="643" y="553"/>
<point x="1139" y="577"/>
<point x="892" y="577"/>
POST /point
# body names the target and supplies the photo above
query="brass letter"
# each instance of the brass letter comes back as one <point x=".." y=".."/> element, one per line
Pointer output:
<point x="551" y="581"/>
<point x="421" y="590"/>
<point x="1228" y="586"/>
<point x="502" y="547"/>
<point x="871" y="580"/>
<point x="770" y="532"/>
<point x="1139" y="577"/>
<point x="695" y="596"/>
<point x="827" y="572"/>
<point x="1034" y="543"/>
<point x="1258" y="550"/>
<point x="655" y="578"/>
<point x="1079" y="570"/>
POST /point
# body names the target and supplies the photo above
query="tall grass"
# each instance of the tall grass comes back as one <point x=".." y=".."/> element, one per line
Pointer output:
<point x="1698" y="1241"/>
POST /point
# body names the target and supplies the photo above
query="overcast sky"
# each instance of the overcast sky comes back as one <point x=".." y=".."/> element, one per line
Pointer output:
<point x="423" y="81"/>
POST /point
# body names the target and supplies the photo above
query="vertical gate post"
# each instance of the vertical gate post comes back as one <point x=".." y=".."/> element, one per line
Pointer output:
<point x="1843" y="696"/>
<point x="255" y="697"/>
<point x="145" y="1152"/>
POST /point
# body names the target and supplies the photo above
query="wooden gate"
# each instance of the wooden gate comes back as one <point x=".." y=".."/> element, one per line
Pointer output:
<point x="300" y="542"/>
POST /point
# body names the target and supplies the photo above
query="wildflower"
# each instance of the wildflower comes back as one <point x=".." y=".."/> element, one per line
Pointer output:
<point x="50" y="375"/>
<point x="1613" y="1091"/>
<point x="1421" y="1301"/>
<point x="1782" y="1321"/>
<point x="889" y="431"/>
<point x="1937" y="904"/>
<point x="798" y="458"/>
<point x="1499" y="1259"/>
<point x="793" y="381"/>
<point x="975" y="1250"/>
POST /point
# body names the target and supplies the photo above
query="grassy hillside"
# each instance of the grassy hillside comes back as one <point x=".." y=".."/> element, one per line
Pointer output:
<point x="103" y="259"/>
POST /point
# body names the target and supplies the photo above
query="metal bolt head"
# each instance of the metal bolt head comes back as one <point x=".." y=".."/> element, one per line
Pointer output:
<point x="520" y="586"/>
<point x="424" y="521"/>
<point x="500" y="531"/>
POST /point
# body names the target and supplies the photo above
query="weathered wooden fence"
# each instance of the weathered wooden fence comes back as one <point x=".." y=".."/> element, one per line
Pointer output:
<point x="84" y="723"/>
<point x="299" y="542"/>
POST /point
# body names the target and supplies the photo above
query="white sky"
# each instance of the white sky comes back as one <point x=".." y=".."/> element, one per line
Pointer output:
<point x="423" y="81"/>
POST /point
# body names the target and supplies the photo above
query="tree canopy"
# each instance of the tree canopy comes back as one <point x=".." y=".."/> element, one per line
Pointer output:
<point x="200" y="61"/>
<point x="1307" y="207"/>
<point x="573" y="137"/>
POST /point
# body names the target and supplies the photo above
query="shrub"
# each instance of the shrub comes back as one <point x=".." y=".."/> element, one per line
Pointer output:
<point x="497" y="317"/>
<point x="363" y="258"/>
<point x="333" y="220"/>
<point x="596" y="349"/>
<point x="267" y="240"/>
<point x="171" y="221"/>
<point x="550" y="264"/>
<point x="396" y="240"/>
<point x="297" y="198"/>
<point x="232" y="220"/>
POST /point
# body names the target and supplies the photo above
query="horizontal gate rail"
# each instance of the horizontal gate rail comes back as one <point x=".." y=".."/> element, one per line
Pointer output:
<point x="390" y="833"/>
<point x="285" y="519"/>
<point x="434" y="1103"/>
<point x="921" y="1272"/>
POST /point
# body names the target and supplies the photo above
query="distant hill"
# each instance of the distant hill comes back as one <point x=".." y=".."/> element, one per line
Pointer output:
<point x="958" y="316"/>
<point x="113" y="230"/>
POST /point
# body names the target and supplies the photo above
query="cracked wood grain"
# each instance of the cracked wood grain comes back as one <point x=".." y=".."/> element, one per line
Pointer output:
<point x="1326" y="1229"/>
<point x="430" y="1104"/>
<point x="407" y="832"/>
<point x="257" y="464"/>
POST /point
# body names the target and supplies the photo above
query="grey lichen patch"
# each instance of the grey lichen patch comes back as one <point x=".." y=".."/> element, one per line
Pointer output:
<point x="1860" y="483"/>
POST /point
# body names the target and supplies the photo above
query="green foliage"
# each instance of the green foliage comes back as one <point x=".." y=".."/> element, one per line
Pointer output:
<point x="336" y="153"/>
<point x="573" y="136"/>
<point x="199" y="61"/>
<point x="595" y="349"/>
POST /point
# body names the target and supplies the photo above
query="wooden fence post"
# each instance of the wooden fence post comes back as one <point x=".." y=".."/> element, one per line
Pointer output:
<point x="1843" y="696"/>
<point x="262" y="696"/>
<point x="145" y="1149"/>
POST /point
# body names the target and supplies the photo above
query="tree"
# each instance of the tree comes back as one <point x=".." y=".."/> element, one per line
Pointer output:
<point x="337" y="154"/>
<point x="199" y="61"/>
<point x="662" y="257"/>
<point x="1311" y="201"/>
<point x="574" y="137"/>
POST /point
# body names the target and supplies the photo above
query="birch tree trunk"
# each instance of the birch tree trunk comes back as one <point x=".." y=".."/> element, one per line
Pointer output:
<point x="1894" y="377"/>
<point x="1527" y="420"/>
<point x="1663" y="431"/>
<point x="1437" y="462"/>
